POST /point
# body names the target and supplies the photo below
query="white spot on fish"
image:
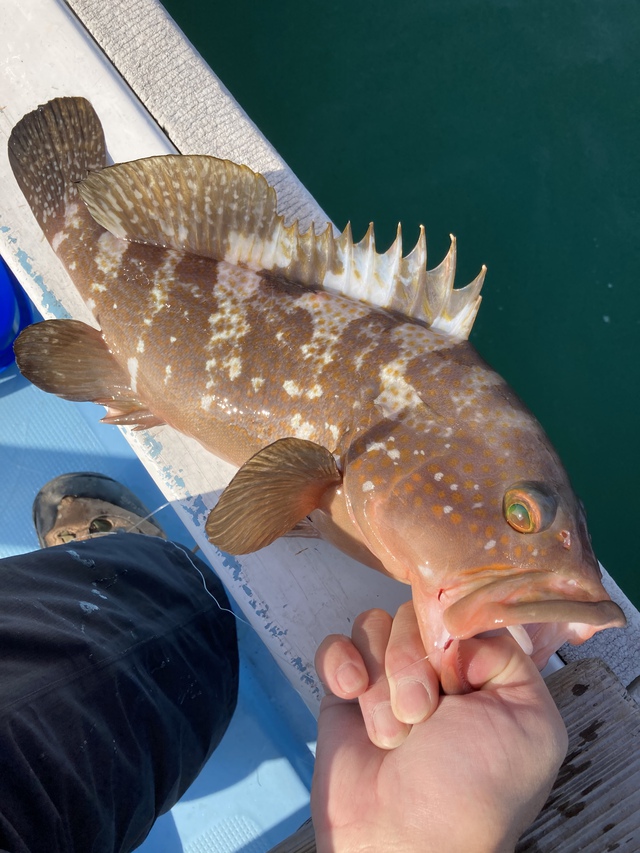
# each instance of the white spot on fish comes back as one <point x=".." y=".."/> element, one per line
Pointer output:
<point x="88" y="607"/>
<point x="292" y="389"/>
<point x="108" y="257"/>
<point x="367" y="486"/>
<point x="99" y="594"/>
<point x="477" y="506"/>
<point x="302" y="429"/>
<point x="173" y="339"/>
<point x="205" y="402"/>
<point x="438" y="476"/>
<point x="140" y="346"/>
<point x="490" y="544"/>
<point x="374" y="446"/>
<point x="454" y="487"/>
<point x="167" y="373"/>
<point x="393" y="454"/>
<point x="58" y="239"/>
<point x="234" y="366"/>
<point x="314" y="392"/>
<point x="132" y="365"/>
<point x="447" y="509"/>
<point x="257" y="382"/>
<point x="91" y="305"/>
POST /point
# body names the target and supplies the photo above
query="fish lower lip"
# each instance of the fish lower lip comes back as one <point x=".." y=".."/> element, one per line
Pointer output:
<point x="499" y="605"/>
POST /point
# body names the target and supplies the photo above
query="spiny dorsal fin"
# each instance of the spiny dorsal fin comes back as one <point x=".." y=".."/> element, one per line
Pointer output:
<point x="225" y="211"/>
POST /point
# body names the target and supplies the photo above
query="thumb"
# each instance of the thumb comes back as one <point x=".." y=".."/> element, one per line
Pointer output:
<point x="491" y="662"/>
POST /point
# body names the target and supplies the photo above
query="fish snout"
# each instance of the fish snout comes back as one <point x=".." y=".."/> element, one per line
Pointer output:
<point x="566" y="612"/>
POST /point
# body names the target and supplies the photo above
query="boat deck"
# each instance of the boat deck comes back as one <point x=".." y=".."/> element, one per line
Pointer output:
<point x="255" y="789"/>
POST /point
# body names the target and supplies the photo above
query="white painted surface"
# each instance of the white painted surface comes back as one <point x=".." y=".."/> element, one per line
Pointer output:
<point x="294" y="592"/>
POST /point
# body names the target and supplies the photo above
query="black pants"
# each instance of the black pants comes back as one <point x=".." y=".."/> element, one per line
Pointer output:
<point x="118" y="678"/>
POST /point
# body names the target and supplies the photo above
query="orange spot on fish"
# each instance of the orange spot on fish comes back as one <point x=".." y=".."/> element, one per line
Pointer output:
<point x="455" y="517"/>
<point x="437" y="510"/>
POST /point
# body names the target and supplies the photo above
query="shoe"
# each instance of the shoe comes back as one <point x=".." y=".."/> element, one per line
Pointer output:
<point x="84" y="505"/>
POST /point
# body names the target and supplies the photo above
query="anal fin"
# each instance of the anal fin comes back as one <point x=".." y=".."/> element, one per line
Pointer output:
<point x="271" y="494"/>
<point x="71" y="359"/>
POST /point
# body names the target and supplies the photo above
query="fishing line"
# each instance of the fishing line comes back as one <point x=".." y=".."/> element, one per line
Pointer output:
<point x="518" y="633"/>
<point x="147" y="517"/>
<point x="204" y="583"/>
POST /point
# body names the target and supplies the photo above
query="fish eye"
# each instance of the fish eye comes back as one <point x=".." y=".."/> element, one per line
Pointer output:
<point x="529" y="507"/>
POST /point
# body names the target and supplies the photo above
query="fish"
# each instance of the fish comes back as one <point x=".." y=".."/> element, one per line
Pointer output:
<point x="339" y="380"/>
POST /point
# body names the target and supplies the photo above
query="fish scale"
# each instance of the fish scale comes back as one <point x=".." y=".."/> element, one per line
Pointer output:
<point x="340" y="380"/>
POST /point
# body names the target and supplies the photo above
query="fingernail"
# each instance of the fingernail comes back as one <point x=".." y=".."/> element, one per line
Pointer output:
<point x="413" y="701"/>
<point x="350" y="678"/>
<point x="388" y="729"/>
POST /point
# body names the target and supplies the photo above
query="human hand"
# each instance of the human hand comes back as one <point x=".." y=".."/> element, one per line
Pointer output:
<point x="404" y="768"/>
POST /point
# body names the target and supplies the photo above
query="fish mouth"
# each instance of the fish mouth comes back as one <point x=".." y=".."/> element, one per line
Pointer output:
<point x="530" y="598"/>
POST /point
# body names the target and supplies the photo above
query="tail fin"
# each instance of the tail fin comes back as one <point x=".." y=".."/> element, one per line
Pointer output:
<point x="50" y="150"/>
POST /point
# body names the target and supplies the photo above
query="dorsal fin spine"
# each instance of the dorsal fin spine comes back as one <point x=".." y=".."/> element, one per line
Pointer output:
<point x="158" y="200"/>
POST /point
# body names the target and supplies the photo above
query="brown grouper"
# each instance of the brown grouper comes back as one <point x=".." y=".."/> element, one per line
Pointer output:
<point x="340" y="379"/>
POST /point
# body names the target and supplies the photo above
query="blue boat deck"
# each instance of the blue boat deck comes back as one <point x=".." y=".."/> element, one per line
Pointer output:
<point x="255" y="789"/>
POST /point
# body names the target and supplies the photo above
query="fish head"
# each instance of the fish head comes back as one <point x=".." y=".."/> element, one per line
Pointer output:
<point x="479" y="516"/>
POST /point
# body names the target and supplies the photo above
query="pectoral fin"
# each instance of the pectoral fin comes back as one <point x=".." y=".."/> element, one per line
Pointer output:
<point x="270" y="494"/>
<point x="72" y="360"/>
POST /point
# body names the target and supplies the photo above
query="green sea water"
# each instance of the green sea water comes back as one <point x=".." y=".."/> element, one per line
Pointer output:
<point x="515" y="125"/>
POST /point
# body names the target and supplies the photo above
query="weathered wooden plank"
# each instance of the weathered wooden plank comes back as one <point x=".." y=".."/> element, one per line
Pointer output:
<point x="595" y="804"/>
<point x="303" y="840"/>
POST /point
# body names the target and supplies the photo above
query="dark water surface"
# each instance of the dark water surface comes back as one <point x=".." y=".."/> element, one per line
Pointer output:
<point x="516" y="126"/>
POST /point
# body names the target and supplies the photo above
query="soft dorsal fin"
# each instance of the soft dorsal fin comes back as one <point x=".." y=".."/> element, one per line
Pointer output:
<point x="219" y="209"/>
